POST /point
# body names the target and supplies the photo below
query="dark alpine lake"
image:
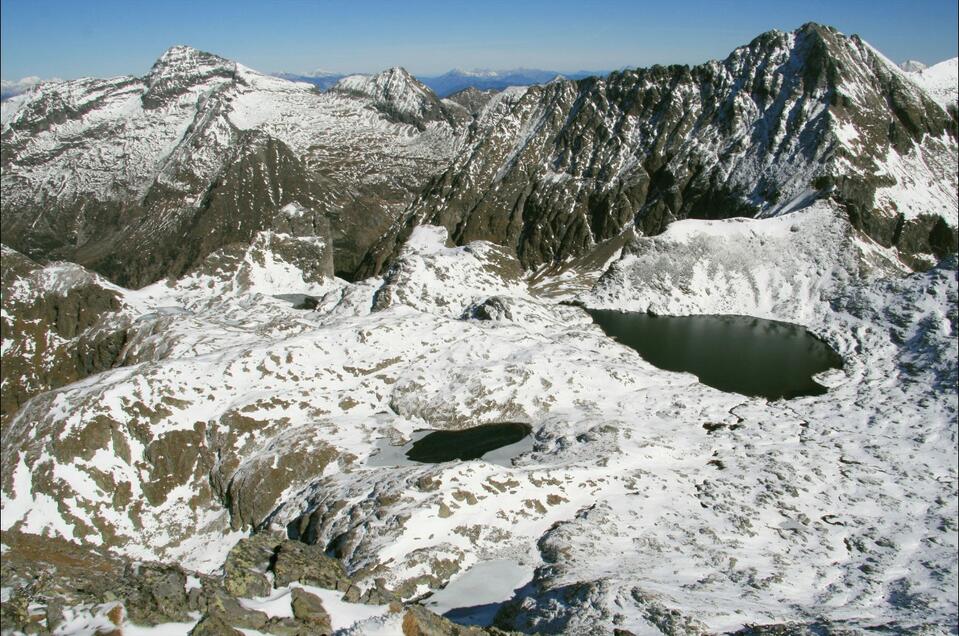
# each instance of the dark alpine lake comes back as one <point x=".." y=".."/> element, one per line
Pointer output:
<point x="469" y="443"/>
<point x="740" y="354"/>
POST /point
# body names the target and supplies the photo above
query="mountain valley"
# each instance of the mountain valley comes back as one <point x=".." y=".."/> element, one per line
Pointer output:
<point x="232" y="300"/>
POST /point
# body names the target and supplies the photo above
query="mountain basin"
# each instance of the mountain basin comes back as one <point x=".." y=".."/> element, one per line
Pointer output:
<point x="740" y="354"/>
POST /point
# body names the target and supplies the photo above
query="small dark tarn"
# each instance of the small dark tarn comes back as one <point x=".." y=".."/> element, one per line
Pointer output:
<point x="469" y="443"/>
<point x="740" y="354"/>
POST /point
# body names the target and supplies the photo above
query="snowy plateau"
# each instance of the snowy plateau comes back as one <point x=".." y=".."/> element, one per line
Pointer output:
<point x="230" y="299"/>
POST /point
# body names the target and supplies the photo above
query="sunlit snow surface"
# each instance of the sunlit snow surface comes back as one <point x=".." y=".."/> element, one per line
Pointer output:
<point x="941" y="81"/>
<point x="644" y="492"/>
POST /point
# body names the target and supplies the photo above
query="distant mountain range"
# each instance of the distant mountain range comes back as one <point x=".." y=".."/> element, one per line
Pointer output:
<point x="443" y="85"/>
<point x="321" y="79"/>
<point x="456" y="80"/>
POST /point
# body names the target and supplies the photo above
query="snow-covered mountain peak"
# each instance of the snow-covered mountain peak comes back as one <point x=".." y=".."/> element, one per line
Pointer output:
<point x="397" y="92"/>
<point x="912" y="66"/>
<point x="388" y="85"/>
<point x="782" y="120"/>
<point x="476" y="72"/>
<point x="182" y="66"/>
<point x="184" y="54"/>
<point x="186" y="59"/>
<point x="940" y="81"/>
<point x="320" y="72"/>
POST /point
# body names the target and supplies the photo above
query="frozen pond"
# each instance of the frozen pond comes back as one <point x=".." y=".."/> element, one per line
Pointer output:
<point x="474" y="597"/>
<point x="740" y="354"/>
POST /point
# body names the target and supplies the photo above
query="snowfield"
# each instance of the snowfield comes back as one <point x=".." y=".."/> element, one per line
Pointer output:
<point x="941" y="81"/>
<point x="648" y="501"/>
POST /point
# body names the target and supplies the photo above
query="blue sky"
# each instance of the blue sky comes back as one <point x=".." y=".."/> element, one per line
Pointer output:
<point x="59" y="38"/>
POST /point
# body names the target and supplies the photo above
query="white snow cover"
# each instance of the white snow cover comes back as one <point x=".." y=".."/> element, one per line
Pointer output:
<point x="723" y="267"/>
<point x="394" y="86"/>
<point x="940" y="80"/>
<point x="114" y="142"/>
<point x="837" y="507"/>
<point x="911" y="66"/>
<point x="486" y="583"/>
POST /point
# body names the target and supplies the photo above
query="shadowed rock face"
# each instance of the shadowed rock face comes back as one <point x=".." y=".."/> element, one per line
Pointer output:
<point x="554" y="170"/>
<point x="259" y="179"/>
<point x="61" y="325"/>
<point x="472" y="99"/>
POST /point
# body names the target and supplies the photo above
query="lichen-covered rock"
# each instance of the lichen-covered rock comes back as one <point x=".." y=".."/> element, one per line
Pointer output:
<point x="232" y="612"/>
<point x="213" y="625"/>
<point x="159" y="595"/>
<point x="46" y="579"/>
<point x="256" y="485"/>
<point x="309" y="609"/>
<point x="295" y="561"/>
<point x="246" y="564"/>
<point x="418" y="621"/>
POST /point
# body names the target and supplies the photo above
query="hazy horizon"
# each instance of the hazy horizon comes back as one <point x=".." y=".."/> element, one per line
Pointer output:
<point x="65" y="40"/>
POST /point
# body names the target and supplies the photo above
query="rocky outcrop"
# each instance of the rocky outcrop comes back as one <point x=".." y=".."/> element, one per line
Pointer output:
<point x="472" y="99"/>
<point x="49" y="580"/>
<point x="261" y="186"/>
<point x="60" y="324"/>
<point x="430" y="276"/>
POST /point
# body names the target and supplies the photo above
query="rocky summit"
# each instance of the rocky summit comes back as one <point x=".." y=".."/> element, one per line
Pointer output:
<point x="233" y="302"/>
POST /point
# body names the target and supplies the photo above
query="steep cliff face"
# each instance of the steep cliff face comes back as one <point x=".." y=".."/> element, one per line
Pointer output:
<point x="552" y="171"/>
<point x="140" y="178"/>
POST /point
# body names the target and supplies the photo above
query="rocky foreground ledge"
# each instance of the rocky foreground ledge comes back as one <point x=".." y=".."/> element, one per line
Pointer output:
<point x="268" y="585"/>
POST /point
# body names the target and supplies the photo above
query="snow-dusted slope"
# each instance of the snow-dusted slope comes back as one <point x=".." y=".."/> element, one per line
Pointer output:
<point x="940" y="80"/>
<point x="258" y="393"/>
<point x="59" y="323"/>
<point x="154" y="155"/>
<point x="912" y="66"/>
<point x="458" y="80"/>
<point x="723" y="267"/>
<point x="647" y="499"/>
